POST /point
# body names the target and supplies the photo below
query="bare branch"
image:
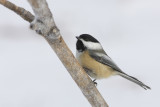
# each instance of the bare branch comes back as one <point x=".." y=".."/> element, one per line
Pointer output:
<point x="43" y="22"/>
<point x="52" y="35"/>
<point x="26" y="15"/>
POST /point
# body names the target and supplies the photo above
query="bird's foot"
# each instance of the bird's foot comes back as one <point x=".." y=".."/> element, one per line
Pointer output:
<point x="95" y="83"/>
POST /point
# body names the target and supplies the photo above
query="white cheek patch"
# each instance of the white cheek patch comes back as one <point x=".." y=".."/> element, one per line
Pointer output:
<point x="92" y="45"/>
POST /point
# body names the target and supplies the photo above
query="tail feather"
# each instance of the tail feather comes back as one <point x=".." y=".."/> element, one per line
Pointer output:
<point x="135" y="80"/>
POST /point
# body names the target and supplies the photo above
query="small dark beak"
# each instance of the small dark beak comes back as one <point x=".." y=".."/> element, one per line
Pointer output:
<point x="77" y="37"/>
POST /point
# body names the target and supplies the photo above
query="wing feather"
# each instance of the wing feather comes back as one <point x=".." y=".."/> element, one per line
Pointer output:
<point x="104" y="59"/>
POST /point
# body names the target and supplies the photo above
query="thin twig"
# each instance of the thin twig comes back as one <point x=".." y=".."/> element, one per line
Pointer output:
<point x="54" y="38"/>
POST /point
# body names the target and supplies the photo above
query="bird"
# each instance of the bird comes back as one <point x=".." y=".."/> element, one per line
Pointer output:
<point x="95" y="61"/>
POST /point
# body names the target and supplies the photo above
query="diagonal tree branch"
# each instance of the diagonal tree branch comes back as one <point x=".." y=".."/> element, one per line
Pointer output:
<point x="26" y="15"/>
<point x="44" y="24"/>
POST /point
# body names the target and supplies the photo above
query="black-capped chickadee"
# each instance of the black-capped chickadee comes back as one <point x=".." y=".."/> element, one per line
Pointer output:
<point x="96" y="62"/>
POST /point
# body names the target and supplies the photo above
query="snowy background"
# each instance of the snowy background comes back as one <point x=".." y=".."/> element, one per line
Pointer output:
<point x="31" y="75"/>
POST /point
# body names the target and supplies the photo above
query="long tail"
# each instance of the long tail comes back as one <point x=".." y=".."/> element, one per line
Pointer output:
<point x="135" y="80"/>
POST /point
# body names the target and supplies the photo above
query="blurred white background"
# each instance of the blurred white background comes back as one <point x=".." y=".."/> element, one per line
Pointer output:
<point x="31" y="75"/>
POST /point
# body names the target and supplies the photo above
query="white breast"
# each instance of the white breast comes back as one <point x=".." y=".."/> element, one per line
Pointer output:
<point x="78" y="54"/>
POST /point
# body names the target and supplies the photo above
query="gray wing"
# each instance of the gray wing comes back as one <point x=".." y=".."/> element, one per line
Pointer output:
<point x="103" y="58"/>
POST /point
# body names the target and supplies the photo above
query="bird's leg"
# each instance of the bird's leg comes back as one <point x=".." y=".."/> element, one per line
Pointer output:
<point x="95" y="83"/>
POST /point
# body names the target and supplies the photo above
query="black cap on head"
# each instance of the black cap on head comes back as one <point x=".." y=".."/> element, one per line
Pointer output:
<point x="88" y="37"/>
